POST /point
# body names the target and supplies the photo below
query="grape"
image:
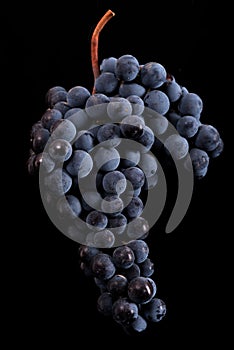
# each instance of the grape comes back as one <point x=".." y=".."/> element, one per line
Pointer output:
<point x="123" y="257"/>
<point x="158" y="101"/>
<point x="118" y="223"/>
<point x="79" y="164"/>
<point x="177" y="146"/>
<point x="96" y="220"/>
<point x="118" y="108"/>
<point x="191" y="104"/>
<point x="148" y="164"/>
<point x="117" y="285"/>
<point x="200" y="160"/>
<point x="140" y="249"/>
<point x="55" y="94"/>
<point x="140" y="290"/>
<point x="110" y="133"/>
<point x="106" y="159"/>
<point x="173" y="90"/>
<point x="127" y="89"/>
<point x="105" y="303"/>
<point x="58" y="181"/>
<point x="49" y="117"/>
<point x="86" y="253"/>
<point x="147" y="268"/>
<point x="84" y="140"/>
<point x="40" y="138"/>
<point x="135" y="175"/>
<point x="106" y="83"/>
<point x="127" y="68"/>
<point x="124" y="311"/>
<point x="99" y="182"/>
<point x="96" y="105"/>
<point x="108" y="64"/>
<point x="77" y="96"/>
<point x="62" y="106"/>
<point x="153" y="75"/>
<point x="112" y="204"/>
<point x="187" y="126"/>
<point x="134" y="208"/>
<point x="104" y="239"/>
<point x="218" y="149"/>
<point x="137" y="104"/>
<point x="69" y="206"/>
<point x="207" y="137"/>
<point x="154" y="310"/>
<point x="137" y="228"/>
<point x="102" y="266"/>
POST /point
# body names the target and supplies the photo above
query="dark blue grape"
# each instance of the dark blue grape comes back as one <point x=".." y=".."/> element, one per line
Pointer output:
<point x="104" y="239"/>
<point x="146" y="139"/>
<point x="117" y="224"/>
<point x="140" y="249"/>
<point x="62" y="106"/>
<point x="118" y="108"/>
<point x="46" y="163"/>
<point x="218" y="150"/>
<point x="30" y="164"/>
<point x="147" y="268"/>
<point x="86" y="253"/>
<point x="96" y="220"/>
<point x="134" y="208"/>
<point x="36" y="126"/>
<point x="105" y="303"/>
<point x="79" y="164"/>
<point x="137" y="326"/>
<point x="124" y="311"/>
<point x="127" y="89"/>
<point x="110" y="134"/>
<point x="102" y="266"/>
<point x="106" y="159"/>
<point x="207" y="137"/>
<point x="187" y="126"/>
<point x="140" y="290"/>
<point x="96" y="106"/>
<point x="173" y="90"/>
<point x="123" y="257"/>
<point x="55" y="94"/>
<point x="191" y="104"/>
<point x="177" y="146"/>
<point x="173" y="117"/>
<point x="148" y="163"/>
<point x="154" y="310"/>
<point x="112" y="204"/>
<point x="84" y="140"/>
<point x="158" y="101"/>
<point x="69" y="206"/>
<point x="127" y="68"/>
<point x="132" y="272"/>
<point x="132" y="127"/>
<point x="40" y="139"/>
<point x="58" y="182"/>
<point x="117" y="285"/>
<point x="49" y="117"/>
<point x="137" y="104"/>
<point x="200" y="160"/>
<point x="63" y="129"/>
<point x="153" y="75"/>
<point x="108" y="64"/>
<point x="114" y="182"/>
<point x="60" y="150"/>
<point x="135" y="175"/>
<point x="106" y="83"/>
<point x="138" y="228"/>
<point x="77" y="96"/>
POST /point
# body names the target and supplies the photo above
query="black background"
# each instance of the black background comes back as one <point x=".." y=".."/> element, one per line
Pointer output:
<point x="51" y="299"/>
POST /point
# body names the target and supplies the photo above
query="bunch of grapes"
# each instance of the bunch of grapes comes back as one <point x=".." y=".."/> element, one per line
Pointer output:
<point x="94" y="154"/>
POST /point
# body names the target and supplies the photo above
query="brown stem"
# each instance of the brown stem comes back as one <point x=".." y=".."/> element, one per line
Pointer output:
<point x="94" y="43"/>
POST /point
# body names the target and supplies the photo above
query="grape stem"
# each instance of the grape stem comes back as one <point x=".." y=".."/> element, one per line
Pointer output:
<point x="94" y="43"/>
